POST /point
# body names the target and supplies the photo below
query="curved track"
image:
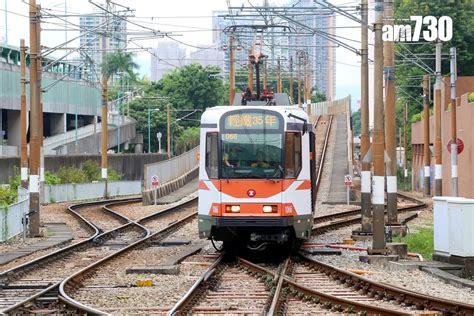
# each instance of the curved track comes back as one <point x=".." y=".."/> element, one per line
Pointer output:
<point x="34" y="286"/>
<point x="158" y="227"/>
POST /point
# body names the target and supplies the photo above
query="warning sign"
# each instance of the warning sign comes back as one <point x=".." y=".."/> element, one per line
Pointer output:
<point x="154" y="181"/>
<point x="348" y="180"/>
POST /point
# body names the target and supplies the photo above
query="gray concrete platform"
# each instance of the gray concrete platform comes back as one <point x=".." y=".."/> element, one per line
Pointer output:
<point x="177" y="195"/>
<point x="58" y="233"/>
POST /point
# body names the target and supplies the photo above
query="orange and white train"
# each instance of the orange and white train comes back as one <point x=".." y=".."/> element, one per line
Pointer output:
<point x="257" y="175"/>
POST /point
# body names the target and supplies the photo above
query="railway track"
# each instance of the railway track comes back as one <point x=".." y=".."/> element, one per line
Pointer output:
<point x="159" y="226"/>
<point x="35" y="286"/>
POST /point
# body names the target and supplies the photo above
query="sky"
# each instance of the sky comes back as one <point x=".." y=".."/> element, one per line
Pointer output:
<point x="191" y="19"/>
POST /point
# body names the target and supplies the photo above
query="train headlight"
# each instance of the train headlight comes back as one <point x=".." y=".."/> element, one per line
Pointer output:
<point x="232" y="208"/>
<point x="269" y="208"/>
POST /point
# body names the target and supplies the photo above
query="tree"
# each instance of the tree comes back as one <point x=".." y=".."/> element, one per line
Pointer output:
<point x="192" y="86"/>
<point x="356" y="122"/>
<point x="119" y="61"/>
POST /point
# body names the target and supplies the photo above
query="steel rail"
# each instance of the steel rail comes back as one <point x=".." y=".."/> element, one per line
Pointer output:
<point x="7" y="276"/>
<point x="390" y="292"/>
<point x="64" y="286"/>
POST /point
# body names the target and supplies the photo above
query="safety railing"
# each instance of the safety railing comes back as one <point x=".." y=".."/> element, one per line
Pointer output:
<point x="11" y="217"/>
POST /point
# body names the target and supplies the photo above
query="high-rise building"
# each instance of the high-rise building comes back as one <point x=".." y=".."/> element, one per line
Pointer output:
<point x="91" y="38"/>
<point x="165" y="58"/>
<point x="206" y="57"/>
<point x="321" y="52"/>
<point x="276" y="44"/>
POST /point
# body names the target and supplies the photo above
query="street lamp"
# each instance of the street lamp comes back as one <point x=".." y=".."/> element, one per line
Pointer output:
<point x="149" y="128"/>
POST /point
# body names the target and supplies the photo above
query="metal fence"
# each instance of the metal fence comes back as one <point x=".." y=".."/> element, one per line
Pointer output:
<point x="165" y="171"/>
<point x="11" y="223"/>
<point x="87" y="191"/>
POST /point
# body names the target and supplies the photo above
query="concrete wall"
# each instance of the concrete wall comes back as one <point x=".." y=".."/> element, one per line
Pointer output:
<point x="130" y="165"/>
<point x="87" y="191"/>
<point x="465" y="126"/>
<point x="11" y="217"/>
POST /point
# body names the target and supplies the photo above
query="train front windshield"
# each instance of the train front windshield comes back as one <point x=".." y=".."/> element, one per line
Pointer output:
<point x="252" y="155"/>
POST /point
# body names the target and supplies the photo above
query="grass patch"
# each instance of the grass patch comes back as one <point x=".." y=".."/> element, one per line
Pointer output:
<point x="420" y="241"/>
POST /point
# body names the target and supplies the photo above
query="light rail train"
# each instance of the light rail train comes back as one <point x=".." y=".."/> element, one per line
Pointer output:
<point x="257" y="180"/>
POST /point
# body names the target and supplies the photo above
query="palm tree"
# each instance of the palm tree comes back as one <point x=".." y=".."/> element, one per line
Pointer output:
<point x="119" y="61"/>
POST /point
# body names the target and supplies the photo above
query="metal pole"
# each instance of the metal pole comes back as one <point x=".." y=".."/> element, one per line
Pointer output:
<point x="6" y="22"/>
<point x="231" y="76"/>
<point x="23" y="116"/>
<point x="250" y="73"/>
<point x="366" y="207"/>
<point x="299" y="80"/>
<point x="35" y="146"/>
<point x="437" y="144"/>
<point x="168" y="126"/>
<point x="390" y="128"/>
<point x="278" y="76"/>
<point x="378" y="245"/>
<point x="291" y="80"/>
<point x="405" y="147"/>
<point x="149" y="130"/>
<point x="426" y="139"/>
<point x="265" y="74"/>
<point x="454" y="145"/>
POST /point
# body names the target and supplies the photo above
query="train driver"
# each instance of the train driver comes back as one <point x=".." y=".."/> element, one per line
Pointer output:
<point x="260" y="161"/>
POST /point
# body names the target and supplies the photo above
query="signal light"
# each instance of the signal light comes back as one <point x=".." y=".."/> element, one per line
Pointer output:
<point x="232" y="208"/>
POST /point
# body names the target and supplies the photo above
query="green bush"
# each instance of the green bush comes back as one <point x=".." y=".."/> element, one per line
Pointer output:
<point x="470" y="97"/>
<point x="113" y="175"/>
<point x="7" y="196"/>
<point x="417" y="117"/>
<point x="71" y="175"/>
<point x="92" y="170"/>
<point x="50" y="178"/>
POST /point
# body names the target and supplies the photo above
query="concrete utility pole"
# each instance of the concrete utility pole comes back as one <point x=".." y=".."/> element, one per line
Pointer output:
<point x="378" y="200"/>
<point x="39" y="60"/>
<point x="231" y="71"/>
<point x="105" y="110"/>
<point x="168" y="129"/>
<point x="437" y="111"/>
<point x="390" y="128"/>
<point x="23" y="117"/>
<point x="366" y="206"/>
<point x="292" y="100"/>
<point x="405" y="148"/>
<point x="454" y="137"/>
<point x="250" y="73"/>
<point x="426" y="139"/>
<point x="35" y="142"/>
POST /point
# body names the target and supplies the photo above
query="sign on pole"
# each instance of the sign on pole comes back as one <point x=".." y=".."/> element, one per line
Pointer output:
<point x="154" y="185"/>
<point x="348" y="184"/>
<point x="460" y="144"/>
<point x="348" y="180"/>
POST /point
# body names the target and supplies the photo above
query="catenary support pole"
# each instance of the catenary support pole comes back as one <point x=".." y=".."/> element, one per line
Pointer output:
<point x="292" y="100"/>
<point x="366" y="205"/>
<point x="105" y="113"/>
<point x="378" y="181"/>
<point x="426" y="136"/>
<point x="23" y="117"/>
<point x="250" y="73"/>
<point x="437" y="111"/>
<point x="390" y="128"/>
<point x="168" y="129"/>
<point x="231" y="73"/>
<point x="299" y="79"/>
<point x="405" y="146"/>
<point x="278" y="75"/>
<point x="454" y="145"/>
<point x="35" y="145"/>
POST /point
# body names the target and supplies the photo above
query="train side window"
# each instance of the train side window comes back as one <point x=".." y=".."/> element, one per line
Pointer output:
<point x="293" y="155"/>
<point x="212" y="151"/>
